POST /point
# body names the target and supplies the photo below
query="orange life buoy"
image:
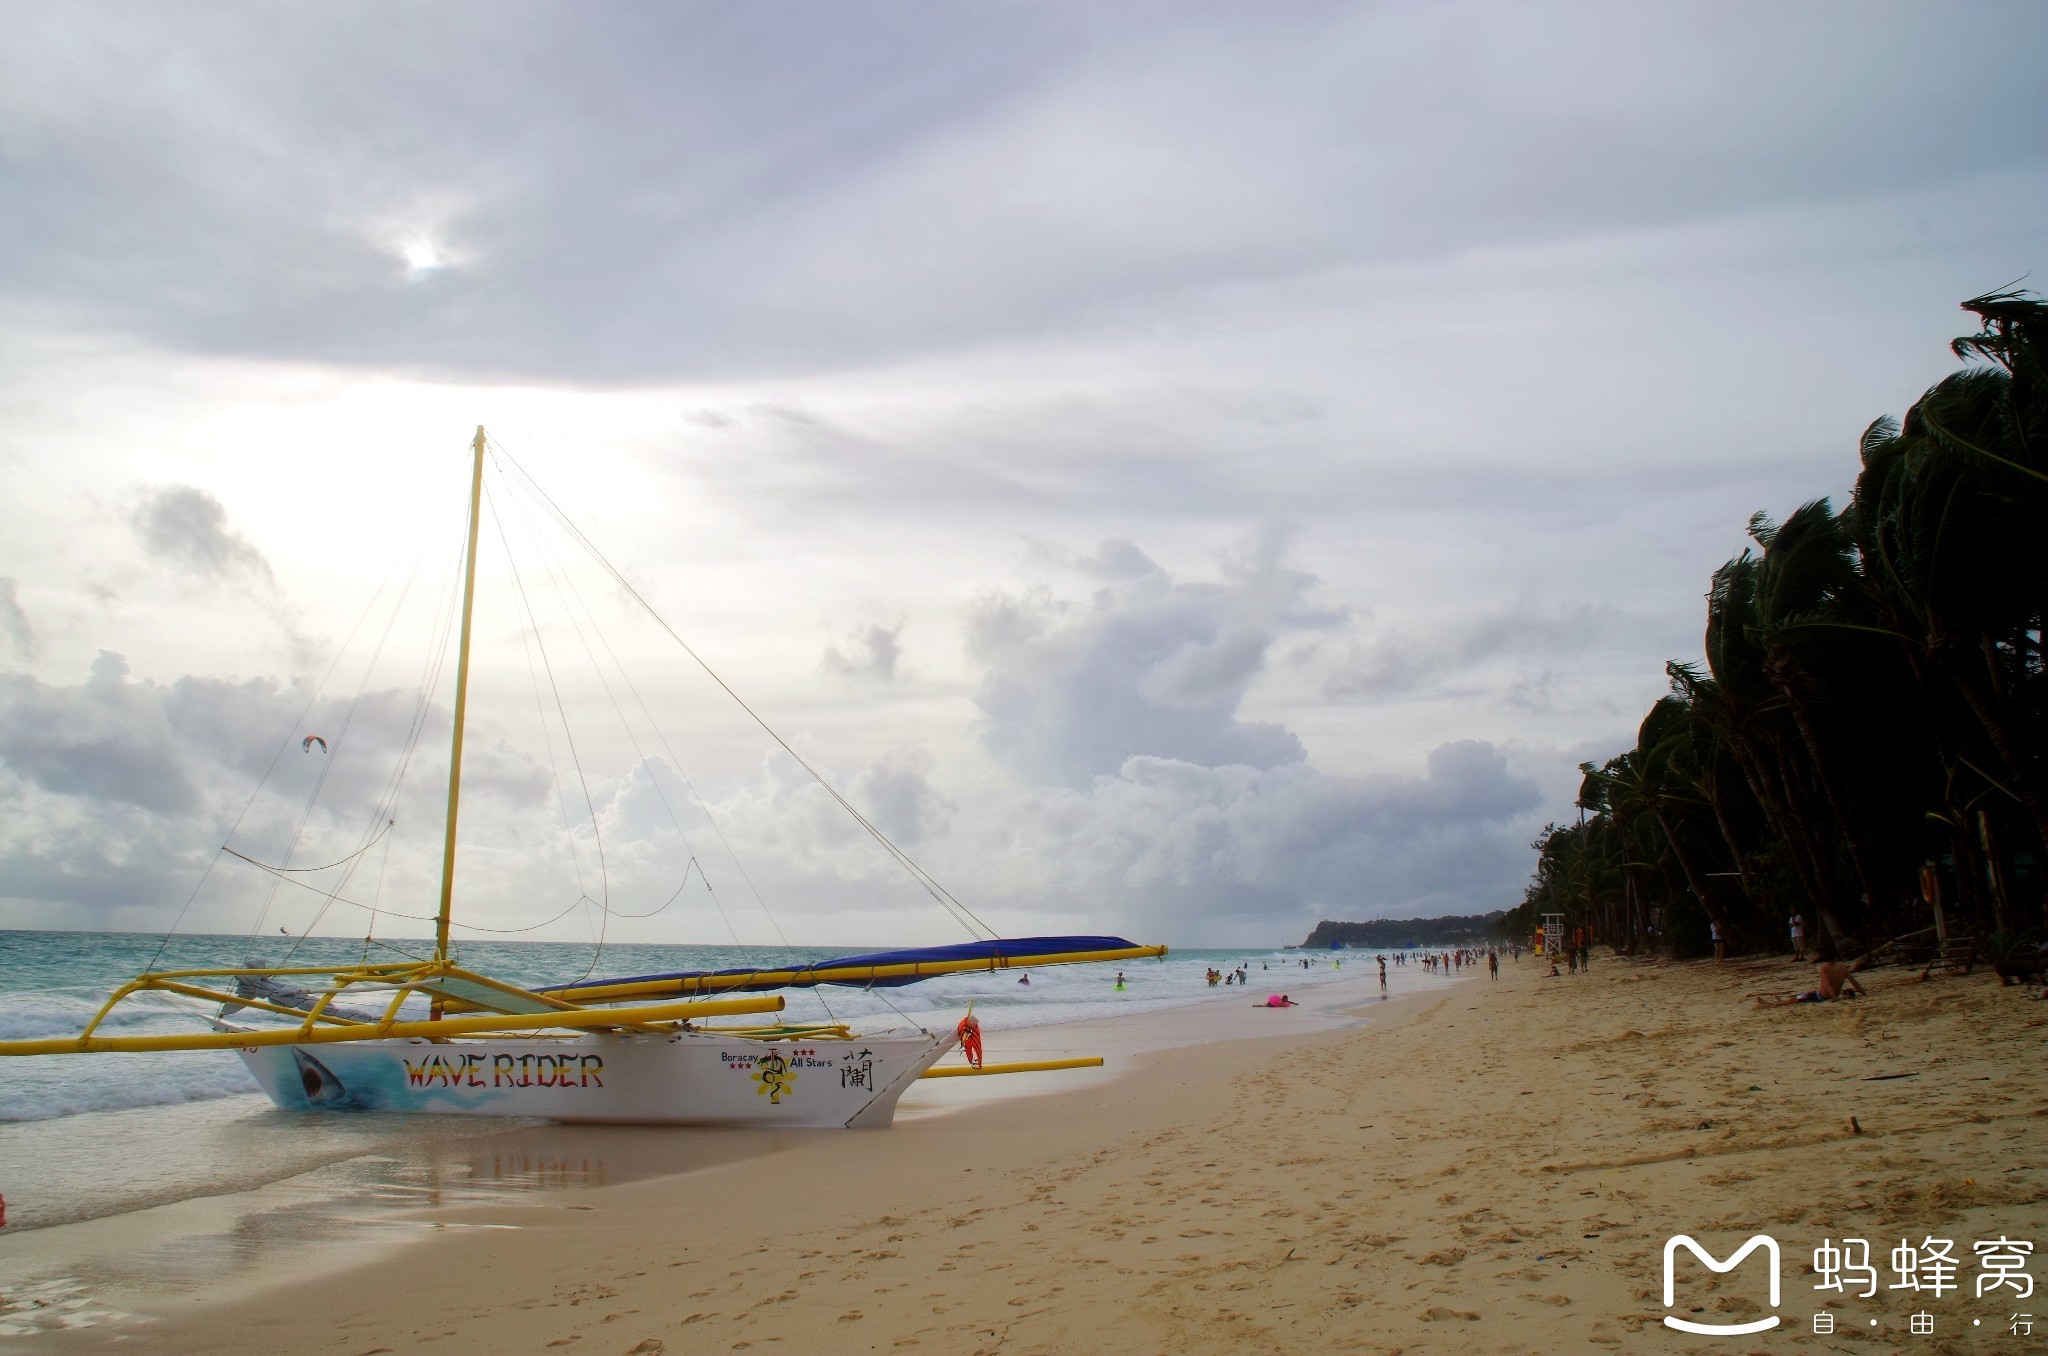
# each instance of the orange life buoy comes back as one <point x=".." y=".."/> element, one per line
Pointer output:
<point x="970" y="1039"/>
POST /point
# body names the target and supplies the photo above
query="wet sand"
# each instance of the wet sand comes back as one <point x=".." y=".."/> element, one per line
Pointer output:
<point x="1485" y="1167"/>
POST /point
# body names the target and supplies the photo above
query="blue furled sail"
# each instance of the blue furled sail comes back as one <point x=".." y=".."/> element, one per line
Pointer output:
<point x="876" y="970"/>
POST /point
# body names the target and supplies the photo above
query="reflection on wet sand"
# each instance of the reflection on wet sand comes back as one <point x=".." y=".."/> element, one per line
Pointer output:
<point x="120" y="1269"/>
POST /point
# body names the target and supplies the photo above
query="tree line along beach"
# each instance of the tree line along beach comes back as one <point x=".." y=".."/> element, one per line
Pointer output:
<point x="1863" y="752"/>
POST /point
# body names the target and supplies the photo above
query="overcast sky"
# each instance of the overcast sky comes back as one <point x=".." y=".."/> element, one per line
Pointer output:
<point x="1187" y="470"/>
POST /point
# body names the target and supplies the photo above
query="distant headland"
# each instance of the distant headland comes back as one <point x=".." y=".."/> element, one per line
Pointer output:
<point x="1398" y="932"/>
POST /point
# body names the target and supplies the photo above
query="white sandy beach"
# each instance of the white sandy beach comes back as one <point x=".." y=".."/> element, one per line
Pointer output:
<point x="1484" y="1167"/>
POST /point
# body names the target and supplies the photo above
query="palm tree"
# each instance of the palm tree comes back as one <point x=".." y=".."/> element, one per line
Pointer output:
<point x="1746" y="707"/>
<point x="1806" y="582"/>
<point x="1647" y="779"/>
<point x="1708" y="772"/>
<point x="1949" y="524"/>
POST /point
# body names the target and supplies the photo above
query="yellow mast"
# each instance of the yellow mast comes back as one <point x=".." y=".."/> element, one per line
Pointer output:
<point x="476" y="494"/>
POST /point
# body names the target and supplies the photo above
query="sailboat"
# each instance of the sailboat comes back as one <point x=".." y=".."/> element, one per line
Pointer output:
<point x="630" y="1050"/>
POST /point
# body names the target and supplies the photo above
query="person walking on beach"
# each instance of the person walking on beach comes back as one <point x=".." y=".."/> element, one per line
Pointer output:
<point x="1383" y="972"/>
<point x="1720" y="944"/>
<point x="1493" y="964"/>
<point x="1798" y="937"/>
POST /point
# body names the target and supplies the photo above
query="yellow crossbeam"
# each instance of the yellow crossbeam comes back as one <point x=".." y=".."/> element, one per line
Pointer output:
<point x="452" y="1026"/>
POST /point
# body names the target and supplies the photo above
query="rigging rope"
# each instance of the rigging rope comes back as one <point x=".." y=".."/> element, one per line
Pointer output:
<point x="924" y="878"/>
<point x="559" y="576"/>
<point x="309" y="870"/>
<point x="376" y="900"/>
<point x="275" y="758"/>
<point x="555" y="778"/>
<point x="436" y="659"/>
<point x="568" y="736"/>
<point x="565" y="590"/>
<point x="575" y="904"/>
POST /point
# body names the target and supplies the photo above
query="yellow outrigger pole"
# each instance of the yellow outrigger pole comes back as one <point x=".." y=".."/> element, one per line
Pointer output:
<point x="1021" y="1066"/>
<point x="306" y="1033"/>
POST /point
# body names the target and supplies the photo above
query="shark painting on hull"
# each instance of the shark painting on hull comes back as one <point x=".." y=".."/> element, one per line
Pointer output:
<point x="321" y="1087"/>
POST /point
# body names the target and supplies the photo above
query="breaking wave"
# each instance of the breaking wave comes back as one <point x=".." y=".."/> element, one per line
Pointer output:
<point x="49" y="1086"/>
<point x="119" y="1082"/>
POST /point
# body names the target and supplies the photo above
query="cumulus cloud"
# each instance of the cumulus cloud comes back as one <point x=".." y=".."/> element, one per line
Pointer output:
<point x="103" y="741"/>
<point x="896" y="793"/>
<point x="14" y="626"/>
<point x="1115" y="558"/>
<point x="1134" y="793"/>
<point x="119" y="787"/>
<point x="1162" y="847"/>
<point x="1148" y="665"/>
<point x="187" y="527"/>
<point x="1147" y="790"/>
<point x="866" y="652"/>
<point x="1254" y="854"/>
<point x="1402" y="661"/>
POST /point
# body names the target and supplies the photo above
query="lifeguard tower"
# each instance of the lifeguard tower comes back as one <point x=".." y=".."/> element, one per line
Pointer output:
<point x="1553" y="936"/>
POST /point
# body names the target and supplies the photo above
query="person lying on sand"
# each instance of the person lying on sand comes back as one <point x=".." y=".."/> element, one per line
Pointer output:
<point x="1830" y="977"/>
<point x="1277" y="1000"/>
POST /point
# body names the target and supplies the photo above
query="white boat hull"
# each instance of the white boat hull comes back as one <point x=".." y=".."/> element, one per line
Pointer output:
<point x="690" y="1078"/>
